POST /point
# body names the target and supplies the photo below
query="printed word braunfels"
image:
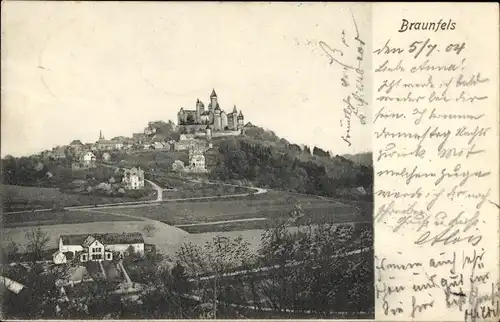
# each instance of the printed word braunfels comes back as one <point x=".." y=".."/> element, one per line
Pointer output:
<point x="432" y="26"/>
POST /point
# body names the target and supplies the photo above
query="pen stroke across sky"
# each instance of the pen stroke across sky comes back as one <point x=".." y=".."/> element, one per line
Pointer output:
<point x="71" y="69"/>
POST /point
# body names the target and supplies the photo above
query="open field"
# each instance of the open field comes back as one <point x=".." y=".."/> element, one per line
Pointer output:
<point x="58" y="218"/>
<point x="254" y="238"/>
<point x="17" y="198"/>
<point x="270" y="206"/>
<point x="166" y="238"/>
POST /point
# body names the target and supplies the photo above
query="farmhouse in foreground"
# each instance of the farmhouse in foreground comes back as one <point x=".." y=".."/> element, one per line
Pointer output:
<point x="96" y="247"/>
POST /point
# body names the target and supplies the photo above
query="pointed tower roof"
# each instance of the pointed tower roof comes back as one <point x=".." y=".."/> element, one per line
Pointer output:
<point x="240" y="115"/>
<point x="213" y="93"/>
<point x="234" y="109"/>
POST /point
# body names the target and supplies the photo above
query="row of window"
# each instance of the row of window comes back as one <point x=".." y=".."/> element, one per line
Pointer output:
<point x="96" y="250"/>
<point x="96" y="256"/>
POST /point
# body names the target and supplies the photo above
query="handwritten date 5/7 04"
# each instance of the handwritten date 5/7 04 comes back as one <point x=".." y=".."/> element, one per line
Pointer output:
<point x="420" y="47"/>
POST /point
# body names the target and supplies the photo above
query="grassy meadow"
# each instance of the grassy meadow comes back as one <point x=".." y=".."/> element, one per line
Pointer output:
<point x="45" y="218"/>
<point x="270" y="206"/>
<point x="20" y="198"/>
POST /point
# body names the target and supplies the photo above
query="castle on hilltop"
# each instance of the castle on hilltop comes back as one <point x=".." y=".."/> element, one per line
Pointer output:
<point x="213" y="118"/>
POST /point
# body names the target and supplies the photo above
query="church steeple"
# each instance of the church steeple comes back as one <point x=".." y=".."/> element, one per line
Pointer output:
<point x="213" y="93"/>
<point x="101" y="137"/>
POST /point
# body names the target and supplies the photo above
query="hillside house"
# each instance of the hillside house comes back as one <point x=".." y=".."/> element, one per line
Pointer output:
<point x="186" y="143"/>
<point x="88" y="159"/>
<point x="106" y="156"/>
<point x="105" y="145"/>
<point x="178" y="165"/>
<point x="196" y="161"/>
<point x="133" y="178"/>
<point x="97" y="247"/>
<point x="158" y="145"/>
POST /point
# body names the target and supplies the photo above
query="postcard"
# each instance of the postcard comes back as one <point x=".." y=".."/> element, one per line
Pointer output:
<point x="213" y="160"/>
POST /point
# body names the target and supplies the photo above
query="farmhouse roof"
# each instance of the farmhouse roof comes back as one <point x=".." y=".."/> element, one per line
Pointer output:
<point x="105" y="238"/>
<point x="12" y="285"/>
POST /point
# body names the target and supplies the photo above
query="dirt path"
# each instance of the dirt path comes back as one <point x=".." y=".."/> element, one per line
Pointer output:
<point x="127" y="277"/>
<point x="158" y="189"/>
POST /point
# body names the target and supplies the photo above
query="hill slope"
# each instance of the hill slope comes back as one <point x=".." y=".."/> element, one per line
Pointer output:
<point x="361" y="158"/>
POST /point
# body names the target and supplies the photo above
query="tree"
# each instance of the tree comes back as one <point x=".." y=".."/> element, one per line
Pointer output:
<point x="39" y="298"/>
<point x="11" y="249"/>
<point x="218" y="256"/>
<point x="190" y="119"/>
<point x="308" y="275"/>
<point x="37" y="243"/>
<point x="180" y="278"/>
<point x="320" y="152"/>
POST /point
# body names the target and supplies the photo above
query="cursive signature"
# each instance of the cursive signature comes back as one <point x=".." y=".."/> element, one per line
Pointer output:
<point x="350" y="70"/>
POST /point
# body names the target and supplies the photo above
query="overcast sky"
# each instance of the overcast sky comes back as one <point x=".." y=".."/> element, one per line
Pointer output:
<point x="72" y="69"/>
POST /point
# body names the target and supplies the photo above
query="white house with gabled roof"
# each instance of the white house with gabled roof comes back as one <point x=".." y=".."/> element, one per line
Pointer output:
<point x="97" y="247"/>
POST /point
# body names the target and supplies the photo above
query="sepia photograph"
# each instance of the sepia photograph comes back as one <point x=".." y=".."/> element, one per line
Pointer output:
<point x="186" y="161"/>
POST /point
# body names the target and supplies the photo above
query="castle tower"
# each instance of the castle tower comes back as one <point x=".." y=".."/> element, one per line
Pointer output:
<point x="217" y="119"/>
<point x="198" y="111"/>
<point x="223" y="120"/>
<point x="101" y="137"/>
<point x="235" y="118"/>
<point x="213" y="100"/>
<point x="180" y="117"/>
<point x="240" y="120"/>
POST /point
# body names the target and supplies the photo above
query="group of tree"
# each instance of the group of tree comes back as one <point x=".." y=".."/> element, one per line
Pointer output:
<point x="165" y="130"/>
<point x="268" y="167"/>
<point x="299" y="267"/>
<point x="28" y="171"/>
